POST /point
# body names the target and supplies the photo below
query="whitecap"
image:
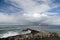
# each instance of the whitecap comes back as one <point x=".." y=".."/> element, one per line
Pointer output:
<point x="10" y="33"/>
<point x="26" y="32"/>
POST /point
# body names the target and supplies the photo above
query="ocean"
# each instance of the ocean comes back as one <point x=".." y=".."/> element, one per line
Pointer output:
<point x="11" y="30"/>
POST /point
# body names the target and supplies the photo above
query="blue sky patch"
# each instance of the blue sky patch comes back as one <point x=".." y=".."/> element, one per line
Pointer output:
<point x="56" y="1"/>
<point x="7" y="7"/>
<point x="55" y="10"/>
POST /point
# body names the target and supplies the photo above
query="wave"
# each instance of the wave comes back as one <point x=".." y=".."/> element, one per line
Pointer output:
<point x="26" y="32"/>
<point x="13" y="33"/>
<point x="9" y="33"/>
<point x="8" y="28"/>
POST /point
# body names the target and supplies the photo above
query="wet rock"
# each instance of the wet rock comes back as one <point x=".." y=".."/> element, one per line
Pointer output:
<point x="32" y="31"/>
<point x="35" y="35"/>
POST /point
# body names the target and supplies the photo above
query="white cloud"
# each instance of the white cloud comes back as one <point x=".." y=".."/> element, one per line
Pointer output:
<point x="53" y="20"/>
<point x="32" y="12"/>
<point x="6" y="18"/>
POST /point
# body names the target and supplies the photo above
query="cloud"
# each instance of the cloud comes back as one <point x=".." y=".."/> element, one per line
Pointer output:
<point x="8" y="7"/>
<point x="33" y="11"/>
<point x="53" y="20"/>
<point x="6" y="18"/>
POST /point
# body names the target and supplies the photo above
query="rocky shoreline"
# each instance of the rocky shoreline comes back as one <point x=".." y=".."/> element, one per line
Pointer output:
<point x="35" y="35"/>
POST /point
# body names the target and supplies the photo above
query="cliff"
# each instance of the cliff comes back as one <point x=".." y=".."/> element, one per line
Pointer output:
<point x="35" y="35"/>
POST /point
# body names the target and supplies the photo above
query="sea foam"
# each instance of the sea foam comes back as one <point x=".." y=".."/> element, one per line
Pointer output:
<point x="26" y="32"/>
<point x="10" y="33"/>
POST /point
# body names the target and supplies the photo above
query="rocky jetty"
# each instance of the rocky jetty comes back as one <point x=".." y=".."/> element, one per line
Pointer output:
<point x="35" y="35"/>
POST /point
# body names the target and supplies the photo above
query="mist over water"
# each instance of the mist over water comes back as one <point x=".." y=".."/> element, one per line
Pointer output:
<point x="11" y="30"/>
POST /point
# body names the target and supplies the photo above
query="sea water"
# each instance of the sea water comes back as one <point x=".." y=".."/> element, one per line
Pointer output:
<point x="12" y="30"/>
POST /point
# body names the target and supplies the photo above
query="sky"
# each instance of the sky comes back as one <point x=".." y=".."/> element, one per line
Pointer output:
<point x="28" y="12"/>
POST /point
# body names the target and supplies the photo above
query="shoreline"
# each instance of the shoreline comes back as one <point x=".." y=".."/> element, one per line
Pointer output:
<point x="35" y="35"/>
